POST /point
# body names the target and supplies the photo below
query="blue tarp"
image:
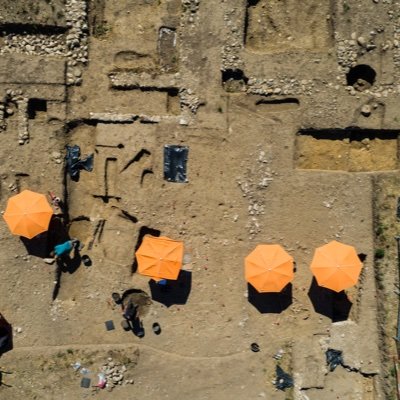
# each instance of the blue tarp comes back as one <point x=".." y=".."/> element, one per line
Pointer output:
<point x="75" y="164"/>
<point x="175" y="159"/>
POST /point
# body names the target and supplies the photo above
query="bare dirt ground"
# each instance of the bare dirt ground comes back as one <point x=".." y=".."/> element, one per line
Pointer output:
<point x="289" y="111"/>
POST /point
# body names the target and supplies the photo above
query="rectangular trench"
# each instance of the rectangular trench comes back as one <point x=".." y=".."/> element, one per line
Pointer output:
<point x="351" y="149"/>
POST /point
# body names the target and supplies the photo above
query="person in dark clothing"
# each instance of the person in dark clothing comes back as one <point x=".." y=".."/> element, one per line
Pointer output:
<point x="131" y="317"/>
<point x="130" y="311"/>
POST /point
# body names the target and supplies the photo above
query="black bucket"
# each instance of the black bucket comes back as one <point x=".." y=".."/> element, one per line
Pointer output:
<point x="86" y="260"/>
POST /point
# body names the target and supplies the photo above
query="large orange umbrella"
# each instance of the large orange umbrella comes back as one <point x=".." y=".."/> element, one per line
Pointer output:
<point x="28" y="214"/>
<point x="336" y="266"/>
<point x="160" y="257"/>
<point x="269" y="268"/>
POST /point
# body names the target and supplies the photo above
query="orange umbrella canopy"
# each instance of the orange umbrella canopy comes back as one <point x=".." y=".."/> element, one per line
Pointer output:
<point x="28" y="214"/>
<point x="336" y="266"/>
<point x="269" y="268"/>
<point x="160" y="257"/>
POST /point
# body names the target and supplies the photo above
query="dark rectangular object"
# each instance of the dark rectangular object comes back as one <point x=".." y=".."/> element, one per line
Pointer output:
<point x="398" y="209"/>
<point x="175" y="160"/>
<point x="110" y="325"/>
<point x="85" y="383"/>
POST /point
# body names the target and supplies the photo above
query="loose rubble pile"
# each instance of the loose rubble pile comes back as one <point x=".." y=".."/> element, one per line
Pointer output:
<point x="252" y="184"/>
<point x="38" y="44"/>
<point x="190" y="8"/>
<point x="114" y="374"/>
<point x="15" y="98"/>
<point x="189" y="100"/>
<point x="76" y="40"/>
<point x="230" y="58"/>
<point x="347" y="53"/>
<point x="280" y="86"/>
<point x="133" y="80"/>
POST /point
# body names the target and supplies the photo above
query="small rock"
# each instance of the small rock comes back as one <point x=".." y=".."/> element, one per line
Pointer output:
<point x="77" y="72"/>
<point x="56" y="154"/>
<point x="118" y="378"/>
<point x="361" y="41"/>
<point x="366" y="110"/>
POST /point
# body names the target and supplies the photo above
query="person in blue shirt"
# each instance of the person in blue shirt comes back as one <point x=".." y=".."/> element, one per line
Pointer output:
<point x="65" y="248"/>
<point x="61" y="250"/>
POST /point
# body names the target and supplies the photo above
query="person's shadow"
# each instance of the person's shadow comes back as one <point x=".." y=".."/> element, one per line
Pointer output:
<point x="270" y="303"/>
<point x="136" y="327"/>
<point x="65" y="264"/>
<point x="41" y="245"/>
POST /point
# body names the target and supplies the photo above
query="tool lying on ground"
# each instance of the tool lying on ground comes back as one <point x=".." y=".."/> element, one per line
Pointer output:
<point x="1" y="378"/>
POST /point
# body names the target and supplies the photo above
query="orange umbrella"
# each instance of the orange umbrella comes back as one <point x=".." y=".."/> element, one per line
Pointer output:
<point x="269" y="268"/>
<point x="28" y="214"/>
<point x="160" y="257"/>
<point x="336" y="266"/>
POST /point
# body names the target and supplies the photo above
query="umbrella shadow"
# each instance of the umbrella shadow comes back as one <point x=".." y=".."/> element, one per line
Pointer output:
<point x="6" y="337"/>
<point x="270" y="303"/>
<point x="37" y="246"/>
<point x="42" y="244"/>
<point x="329" y="303"/>
<point x="175" y="292"/>
<point x="144" y="230"/>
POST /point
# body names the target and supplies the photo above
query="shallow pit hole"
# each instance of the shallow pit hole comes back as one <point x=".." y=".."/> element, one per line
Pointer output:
<point x="36" y="108"/>
<point x="361" y="77"/>
<point x="234" y="80"/>
<point x="277" y="105"/>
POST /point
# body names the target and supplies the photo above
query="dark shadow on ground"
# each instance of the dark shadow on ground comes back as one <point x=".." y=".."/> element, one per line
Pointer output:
<point x="57" y="232"/>
<point x="65" y="264"/>
<point x="144" y="230"/>
<point x="175" y="292"/>
<point x="36" y="246"/>
<point x="272" y="303"/>
<point x="6" y="336"/>
<point x="329" y="303"/>
<point x="42" y="244"/>
<point x="137" y="327"/>
<point x="362" y="257"/>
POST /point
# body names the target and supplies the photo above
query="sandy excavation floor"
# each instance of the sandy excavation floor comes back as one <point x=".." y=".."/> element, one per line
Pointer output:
<point x="290" y="114"/>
